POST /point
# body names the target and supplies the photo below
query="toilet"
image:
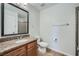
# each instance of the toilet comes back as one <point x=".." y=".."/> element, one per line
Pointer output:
<point x="41" y="45"/>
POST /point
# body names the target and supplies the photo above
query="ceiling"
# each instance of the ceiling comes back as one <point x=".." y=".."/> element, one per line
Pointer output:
<point x="42" y="6"/>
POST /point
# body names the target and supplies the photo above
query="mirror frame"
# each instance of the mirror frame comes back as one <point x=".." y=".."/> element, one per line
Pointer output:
<point x="2" y="19"/>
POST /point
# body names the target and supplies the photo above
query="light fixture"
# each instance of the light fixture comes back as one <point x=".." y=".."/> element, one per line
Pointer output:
<point x="21" y="4"/>
<point x="25" y="4"/>
<point x="43" y="4"/>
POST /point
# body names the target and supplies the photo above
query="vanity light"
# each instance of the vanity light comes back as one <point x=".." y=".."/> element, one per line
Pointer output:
<point x="21" y="4"/>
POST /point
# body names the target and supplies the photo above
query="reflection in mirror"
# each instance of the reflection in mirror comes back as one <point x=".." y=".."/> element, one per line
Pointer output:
<point x="15" y="20"/>
<point x="22" y="23"/>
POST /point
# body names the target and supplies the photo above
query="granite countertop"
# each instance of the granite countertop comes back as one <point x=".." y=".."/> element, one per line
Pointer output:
<point x="5" y="46"/>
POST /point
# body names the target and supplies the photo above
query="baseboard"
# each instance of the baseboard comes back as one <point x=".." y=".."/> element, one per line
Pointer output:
<point x="60" y="52"/>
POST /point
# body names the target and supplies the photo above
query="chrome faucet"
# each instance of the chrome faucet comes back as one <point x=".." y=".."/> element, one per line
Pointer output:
<point x="21" y="36"/>
<point x="18" y="38"/>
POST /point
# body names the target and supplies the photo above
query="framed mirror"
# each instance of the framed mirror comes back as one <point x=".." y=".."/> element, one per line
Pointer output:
<point x="15" y="20"/>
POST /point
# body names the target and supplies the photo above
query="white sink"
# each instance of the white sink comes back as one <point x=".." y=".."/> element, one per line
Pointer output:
<point x="21" y="40"/>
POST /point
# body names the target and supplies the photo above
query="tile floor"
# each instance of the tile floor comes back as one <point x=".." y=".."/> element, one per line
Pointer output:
<point x="50" y="53"/>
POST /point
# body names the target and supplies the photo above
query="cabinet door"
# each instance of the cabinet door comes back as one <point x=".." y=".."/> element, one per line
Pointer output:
<point x="32" y="49"/>
<point x="17" y="52"/>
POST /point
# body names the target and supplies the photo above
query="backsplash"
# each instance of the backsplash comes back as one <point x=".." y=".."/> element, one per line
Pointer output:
<point x="7" y="38"/>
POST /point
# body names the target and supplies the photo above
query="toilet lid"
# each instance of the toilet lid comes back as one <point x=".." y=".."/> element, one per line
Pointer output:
<point x="43" y="44"/>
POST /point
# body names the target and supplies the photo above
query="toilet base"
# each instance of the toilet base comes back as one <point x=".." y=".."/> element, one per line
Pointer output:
<point x="42" y="50"/>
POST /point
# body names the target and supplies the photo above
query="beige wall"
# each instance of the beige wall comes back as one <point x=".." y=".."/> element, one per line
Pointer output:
<point x="65" y="35"/>
<point x="0" y="19"/>
<point x="34" y="21"/>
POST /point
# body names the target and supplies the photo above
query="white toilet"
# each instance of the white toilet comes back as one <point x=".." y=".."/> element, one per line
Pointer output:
<point x="41" y="45"/>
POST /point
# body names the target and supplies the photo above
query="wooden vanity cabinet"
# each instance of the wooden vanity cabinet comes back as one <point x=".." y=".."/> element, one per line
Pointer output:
<point x="29" y="49"/>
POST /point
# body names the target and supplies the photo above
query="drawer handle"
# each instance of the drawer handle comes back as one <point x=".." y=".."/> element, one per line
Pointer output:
<point x="31" y="46"/>
<point x="19" y="49"/>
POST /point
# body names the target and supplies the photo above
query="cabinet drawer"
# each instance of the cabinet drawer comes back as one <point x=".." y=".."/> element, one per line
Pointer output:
<point x="32" y="48"/>
<point x="17" y="52"/>
<point x="32" y="45"/>
<point x="32" y="52"/>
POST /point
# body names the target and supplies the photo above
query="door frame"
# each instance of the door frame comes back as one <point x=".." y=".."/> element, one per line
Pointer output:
<point x="77" y="9"/>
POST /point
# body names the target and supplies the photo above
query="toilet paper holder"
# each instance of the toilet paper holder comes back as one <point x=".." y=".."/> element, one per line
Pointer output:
<point x="55" y="39"/>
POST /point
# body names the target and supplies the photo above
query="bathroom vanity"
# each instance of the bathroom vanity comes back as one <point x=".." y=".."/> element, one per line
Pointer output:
<point x="15" y="21"/>
<point x="11" y="48"/>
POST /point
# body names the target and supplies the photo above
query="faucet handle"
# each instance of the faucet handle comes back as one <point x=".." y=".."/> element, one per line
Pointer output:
<point x="21" y="36"/>
<point x="17" y="37"/>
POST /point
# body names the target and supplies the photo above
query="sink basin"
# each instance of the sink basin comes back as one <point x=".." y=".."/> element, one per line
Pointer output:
<point x="21" y="40"/>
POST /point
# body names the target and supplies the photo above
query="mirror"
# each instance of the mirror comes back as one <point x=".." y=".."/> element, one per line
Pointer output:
<point x="15" y="20"/>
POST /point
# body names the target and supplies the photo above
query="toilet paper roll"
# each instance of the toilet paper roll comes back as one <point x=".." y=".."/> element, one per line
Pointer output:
<point x="55" y="39"/>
